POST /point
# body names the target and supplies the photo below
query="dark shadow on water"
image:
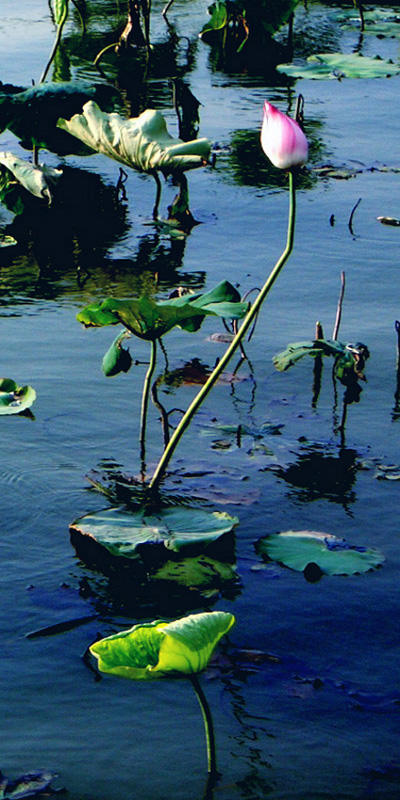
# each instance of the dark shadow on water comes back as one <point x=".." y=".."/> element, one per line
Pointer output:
<point x="316" y="475"/>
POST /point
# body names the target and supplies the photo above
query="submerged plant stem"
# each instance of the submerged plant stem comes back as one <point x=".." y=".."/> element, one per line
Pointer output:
<point x="145" y="401"/>
<point x="236" y="342"/>
<point x="208" y="727"/>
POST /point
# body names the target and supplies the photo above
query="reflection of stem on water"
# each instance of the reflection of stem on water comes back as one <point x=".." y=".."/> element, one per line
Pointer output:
<point x="145" y="405"/>
<point x="318" y="368"/>
<point x="163" y="412"/>
<point x="396" y="408"/>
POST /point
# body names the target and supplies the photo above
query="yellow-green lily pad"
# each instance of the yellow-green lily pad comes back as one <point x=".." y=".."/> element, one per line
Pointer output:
<point x="14" y="398"/>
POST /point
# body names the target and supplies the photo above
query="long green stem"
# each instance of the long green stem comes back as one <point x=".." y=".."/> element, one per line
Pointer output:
<point x="251" y="314"/>
<point x="208" y="727"/>
<point x="55" y="45"/>
<point x="145" y="399"/>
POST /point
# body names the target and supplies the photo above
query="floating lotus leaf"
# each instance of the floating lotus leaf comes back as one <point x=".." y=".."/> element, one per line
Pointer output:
<point x="14" y="398"/>
<point x="38" y="180"/>
<point x="142" y="143"/>
<point x="150" y="320"/>
<point x="132" y="533"/>
<point x="157" y="649"/>
<point x="341" y="65"/>
<point x="117" y="359"/>
<point x="333" y="556"/>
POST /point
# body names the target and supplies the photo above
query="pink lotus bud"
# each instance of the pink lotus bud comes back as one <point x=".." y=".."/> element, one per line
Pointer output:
<point x="282" y="139"/>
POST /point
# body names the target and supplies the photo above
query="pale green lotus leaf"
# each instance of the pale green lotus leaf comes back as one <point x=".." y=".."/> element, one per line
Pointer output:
<point x="157" y="649"/>
<point x="125" y="533"/>
<point x="341" y="65"/>
<point x="7" y="241"/>
<point x="296" y="350"/>
<point x="14" y="398"/>
<point x="333" y="556"/>
<point x="38" y="180"/>
<point x="142" y="143"/>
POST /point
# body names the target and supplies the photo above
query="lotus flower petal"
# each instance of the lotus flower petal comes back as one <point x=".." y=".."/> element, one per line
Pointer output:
<point x="282" y="139"/>
<point x="142" y="143"/>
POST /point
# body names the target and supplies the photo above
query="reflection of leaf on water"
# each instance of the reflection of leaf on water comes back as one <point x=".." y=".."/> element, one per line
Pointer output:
<point x="317" y="474"/>
<point x="200" y="573"/>
<point x="325" y="553"/>
<point x="246" y="164"/>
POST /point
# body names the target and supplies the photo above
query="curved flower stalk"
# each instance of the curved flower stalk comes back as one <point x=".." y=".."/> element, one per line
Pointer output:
<point x="160" y="649"/>
<point x="282" y="139"/>
<point x="297" y="149"/>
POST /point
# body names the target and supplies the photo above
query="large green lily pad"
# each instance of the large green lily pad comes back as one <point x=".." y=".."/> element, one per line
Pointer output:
<point x="333" y="556"/>
<point x="14" y="398"/>
<point x="135" y="534"/>
<point x="142" y="143"/>
<point x="341" y="65"/>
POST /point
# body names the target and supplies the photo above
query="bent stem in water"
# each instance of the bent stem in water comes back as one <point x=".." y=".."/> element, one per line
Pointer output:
<point x="236" y="342"/>
<point x="208" y="727"/>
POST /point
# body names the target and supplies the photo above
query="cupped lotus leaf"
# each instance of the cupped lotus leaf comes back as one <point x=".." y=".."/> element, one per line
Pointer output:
<point x="142" y="143"/>
<point x="333" y="556"/>
<point x="14" y="398"/>
<point x="158" y="649"/>
<point x="341" y="65"/>
<point x="129" y="533"/>
<point x="150" y="320"/>
<point x="38" y="180"/>
<point x="117" y="359"/>
<point x="219" y="18"/>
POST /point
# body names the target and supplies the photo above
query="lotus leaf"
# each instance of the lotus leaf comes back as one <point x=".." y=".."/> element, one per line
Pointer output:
<point x="131" y="533"/>
<point x="296" y="350"/>
<point x="32" y="114"/>
<point x="150" y="320"/>
<point x="14" y="398"/>
<point x="7" y="241"/>
<point x="341" y="65"/>
<point x="38" y="180"/>
<point x="29" y="785"/>
<point x="117" y="359"/>
<point x="157" y="649"/>
<point x="142" y="143"/>
<point x="333" y="556"/>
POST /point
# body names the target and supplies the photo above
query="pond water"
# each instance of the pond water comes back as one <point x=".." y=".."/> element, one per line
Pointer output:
<point x="305" y="691"/>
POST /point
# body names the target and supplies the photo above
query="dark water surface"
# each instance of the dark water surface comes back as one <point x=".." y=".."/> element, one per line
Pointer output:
<point x="313" y="714"/>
